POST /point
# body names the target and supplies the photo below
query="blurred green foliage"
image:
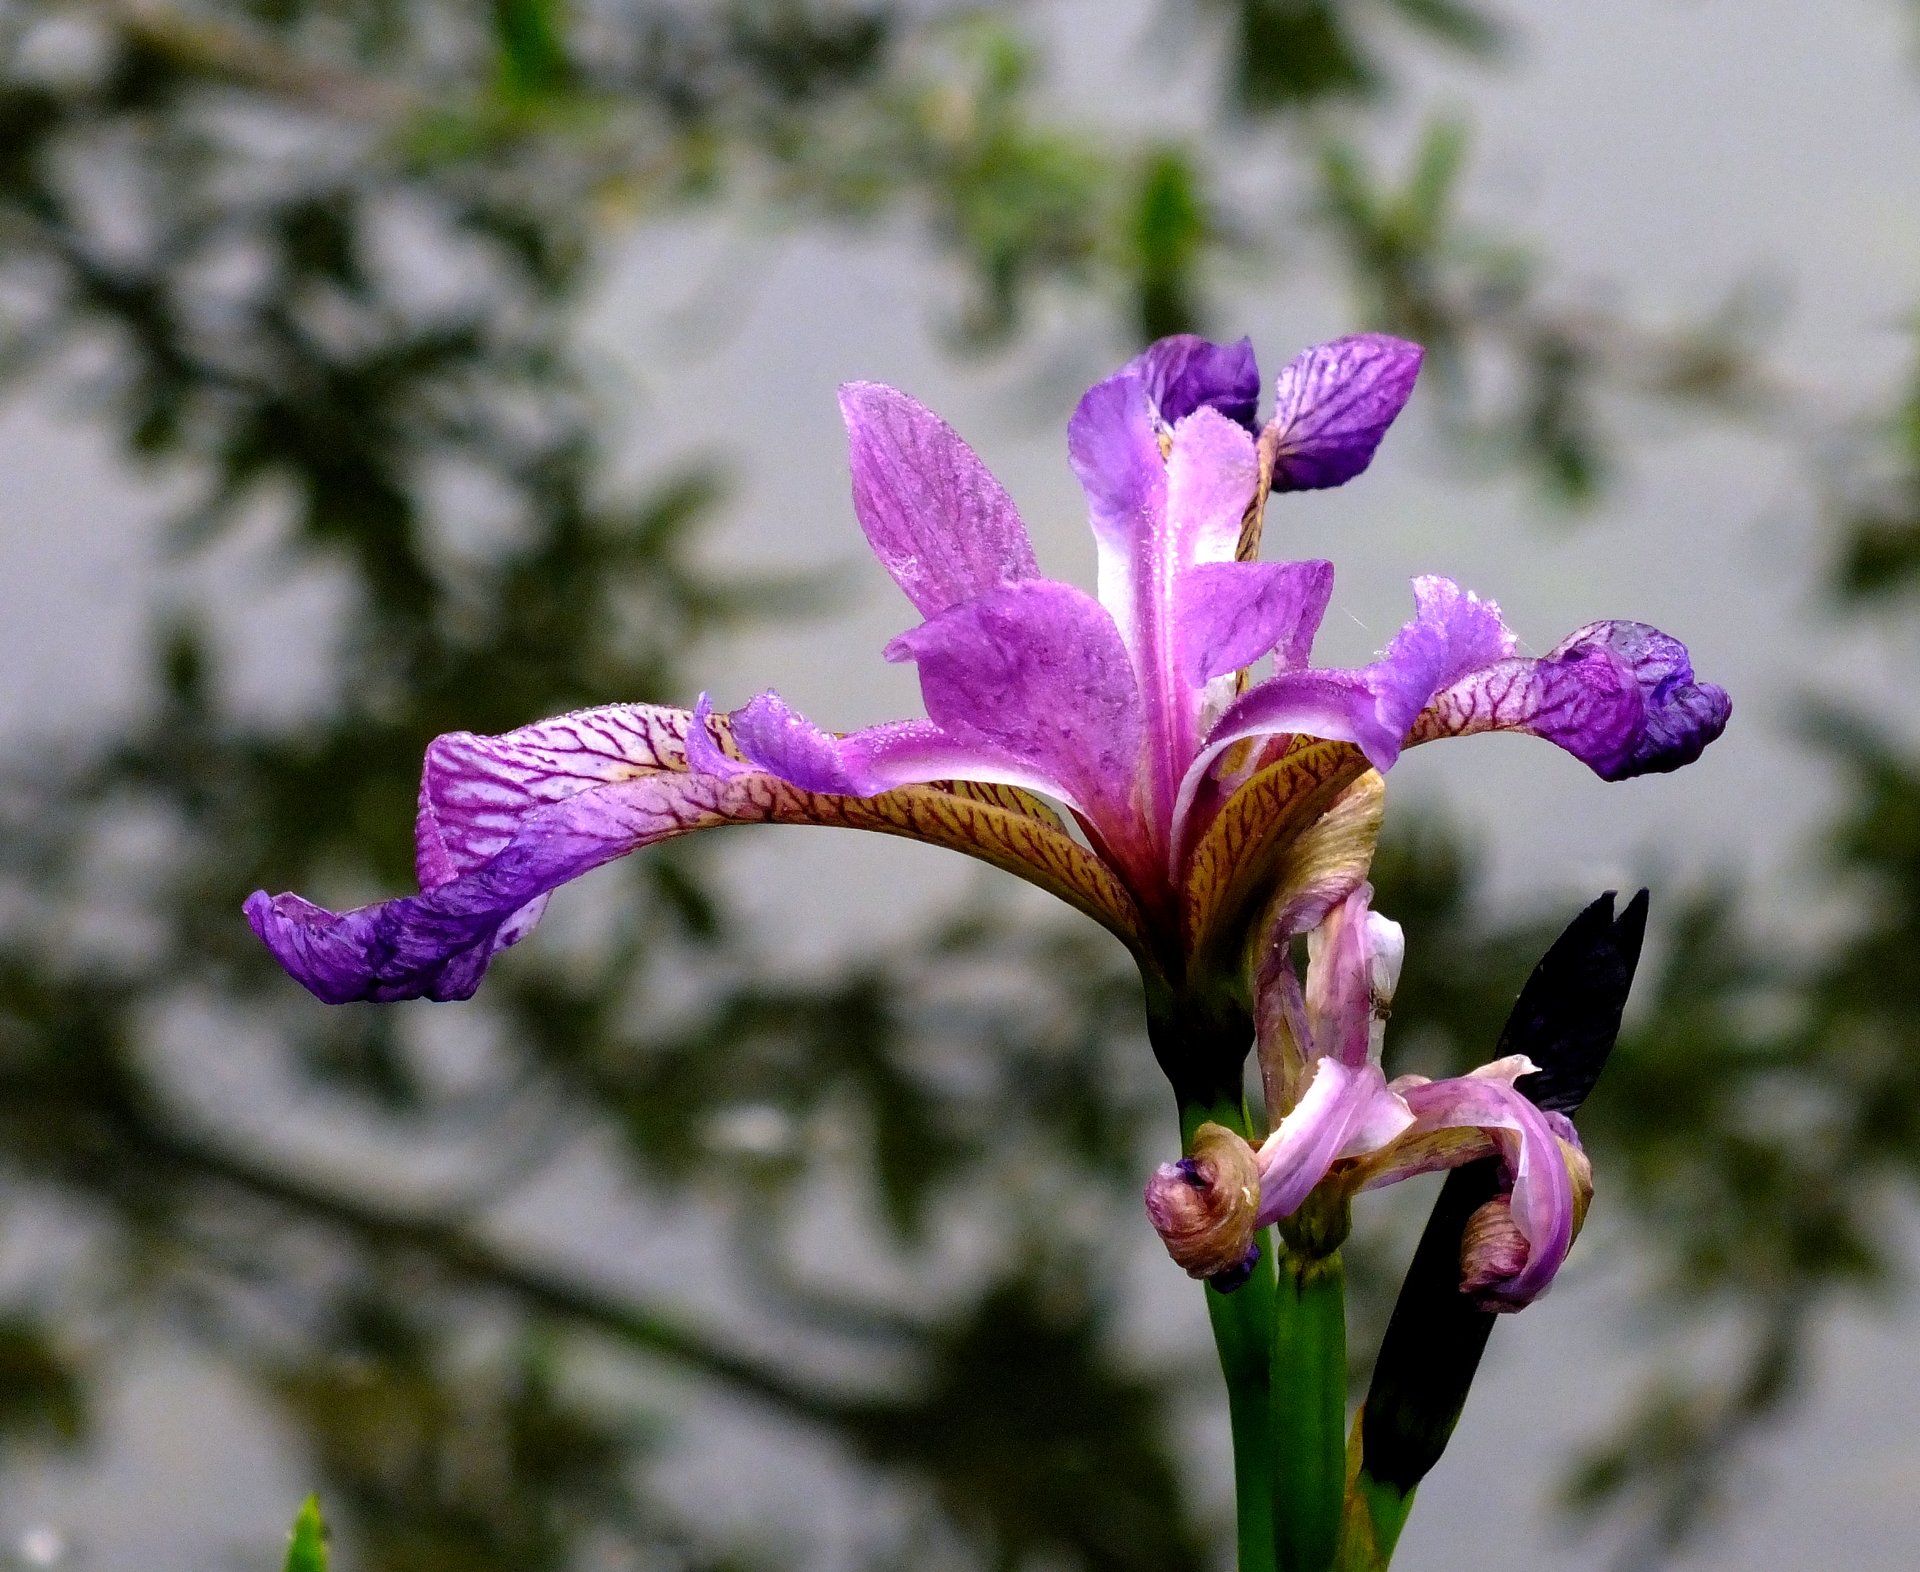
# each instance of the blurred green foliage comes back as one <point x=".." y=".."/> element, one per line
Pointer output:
<point x="307" y="1543"/>
<point x="197" y="240"/>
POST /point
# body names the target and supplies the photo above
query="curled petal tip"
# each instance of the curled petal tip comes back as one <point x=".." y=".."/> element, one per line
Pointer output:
<point x="1186" y="372"/>
<point x="1619" y="696"/>
<point x="1204" y="1206"/>
<point x="1670" y="717"/>
<point x="1236" y="1277"/>
<point x="704" y="755"/>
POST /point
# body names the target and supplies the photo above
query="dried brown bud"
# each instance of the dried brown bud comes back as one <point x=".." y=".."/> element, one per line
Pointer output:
<point x="1493" y="1252"/>
<point x="1204" y="1206"/>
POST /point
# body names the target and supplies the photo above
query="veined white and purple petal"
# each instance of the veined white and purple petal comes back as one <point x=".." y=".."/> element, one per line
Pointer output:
<point x="1620" y="696"/>
<point x="1334" y="404"/>
<point x="1186" y="372"/>
<point x="476" y="792"/>
<point x="933" y="513"/>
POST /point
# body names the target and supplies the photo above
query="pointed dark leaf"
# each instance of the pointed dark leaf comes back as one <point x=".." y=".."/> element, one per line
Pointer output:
<point x="1566" y="1020"/>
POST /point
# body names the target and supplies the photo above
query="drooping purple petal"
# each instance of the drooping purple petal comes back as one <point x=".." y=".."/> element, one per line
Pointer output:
<point x="556" y="800"/>
<point x="776" y="740"/>
<point x="1374" y="707"/>
<point x="1233" y="613"/>
<point x="1185" y="372"/>
<point x="511" y="818"/>
<point x="1036" y="674"/>
<point x="936" y="518"/>
<point x="1346" y="1111"/>
<point x="1335" y="402"/>
<point x="1619" y="696"/>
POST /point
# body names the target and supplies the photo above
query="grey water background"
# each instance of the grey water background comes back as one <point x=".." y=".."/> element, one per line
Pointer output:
<point x="1655" y="150"/>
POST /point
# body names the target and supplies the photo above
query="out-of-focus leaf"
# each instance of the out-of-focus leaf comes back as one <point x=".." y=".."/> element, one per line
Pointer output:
<point x="307" y="1546"/>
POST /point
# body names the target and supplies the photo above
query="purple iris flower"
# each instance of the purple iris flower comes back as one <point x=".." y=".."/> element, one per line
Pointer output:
<point x="1340" y="1127"/>
<point x="1199" y="801"/>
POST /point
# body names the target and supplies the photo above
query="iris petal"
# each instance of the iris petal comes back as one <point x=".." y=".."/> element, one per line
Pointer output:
<point x="1619" y="696"/>
<point x="1036" y="674"/>
<point x="556" y="811"/>
<point x="933" y="513"/>
<point x="1185" y="372"/>
<point x="1335" y="402"/>
<point x="1345" y="1112"/>
<point x="1461" y="1119"/>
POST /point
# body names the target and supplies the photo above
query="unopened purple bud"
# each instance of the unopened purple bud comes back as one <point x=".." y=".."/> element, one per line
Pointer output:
<point x="1204" y="1206"/>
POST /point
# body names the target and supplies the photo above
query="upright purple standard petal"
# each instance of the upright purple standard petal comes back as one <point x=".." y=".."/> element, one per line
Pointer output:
<point x="1619" y="696"/>
<point x="936" y="518"/>
<point x="1113" y="443"/>
<point x="1159" y="514"/>
<point x="1186" y="372"/>
<point x="1335" y="402"/>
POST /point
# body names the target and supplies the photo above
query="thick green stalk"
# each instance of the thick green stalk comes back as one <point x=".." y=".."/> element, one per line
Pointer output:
<point x="1309" y="1409"/>
<point x="1242" y="1323"/>
<point x="1243" y="1335"/>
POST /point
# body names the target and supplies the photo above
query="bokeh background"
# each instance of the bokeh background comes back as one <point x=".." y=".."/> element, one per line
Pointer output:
<point x="375" y="368"/>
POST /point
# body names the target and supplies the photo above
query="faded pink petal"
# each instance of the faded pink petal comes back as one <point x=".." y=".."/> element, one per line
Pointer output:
<point x="1346" y="1111"/>
<point x="1529" y="1141"/>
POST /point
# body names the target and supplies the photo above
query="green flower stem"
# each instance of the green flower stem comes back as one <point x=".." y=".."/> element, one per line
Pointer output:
<point x="1243" y="1335"/>
<point x="1309" y="1409"/>
<point x="1241" y="1332"/>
